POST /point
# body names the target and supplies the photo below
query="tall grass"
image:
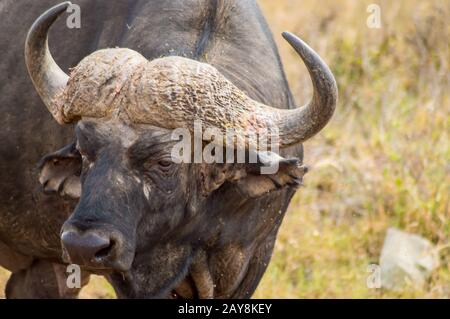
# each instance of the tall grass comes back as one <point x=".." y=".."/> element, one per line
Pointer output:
<point x="382" y="161"/>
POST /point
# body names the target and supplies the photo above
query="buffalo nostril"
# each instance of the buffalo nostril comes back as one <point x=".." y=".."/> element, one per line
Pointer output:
<point x="46" y="188"/>
<point x="86" y="248"/>
<point x="104" y="252"/>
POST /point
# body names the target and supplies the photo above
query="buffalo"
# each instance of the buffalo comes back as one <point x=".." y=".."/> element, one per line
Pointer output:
<point x="113" y="199"/>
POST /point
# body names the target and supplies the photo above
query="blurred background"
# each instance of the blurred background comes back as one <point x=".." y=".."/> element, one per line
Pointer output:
<point x="383" y="161"/>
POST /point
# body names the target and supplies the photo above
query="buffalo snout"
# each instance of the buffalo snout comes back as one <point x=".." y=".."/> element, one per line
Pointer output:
<point x="96" y="248"/>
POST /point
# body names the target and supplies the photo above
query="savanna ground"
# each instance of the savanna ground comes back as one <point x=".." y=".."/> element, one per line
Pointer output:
<point x="383" y="161"/>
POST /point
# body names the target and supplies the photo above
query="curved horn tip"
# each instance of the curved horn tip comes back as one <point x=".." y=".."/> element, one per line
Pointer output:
<point x="308" y="120"/>
<point x="49" y="16"/>
<point x="299" y="45"/>
<point x="287" y="34"/>
<point x="47" y="77"/>
<point x="290" y="37"/>
<point x="310" y="57"/>
<point x="43" y="23"/>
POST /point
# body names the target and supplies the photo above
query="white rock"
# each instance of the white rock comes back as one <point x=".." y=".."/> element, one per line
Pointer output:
<point x="406" y="259"/>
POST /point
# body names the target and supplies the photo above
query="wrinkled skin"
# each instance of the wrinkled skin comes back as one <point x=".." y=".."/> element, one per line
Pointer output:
<point x="169" y="219"/>
<point x="197" y="233"/>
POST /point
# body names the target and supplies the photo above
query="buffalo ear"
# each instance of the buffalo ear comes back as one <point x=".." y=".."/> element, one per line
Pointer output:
<point x="60" y="172"/>
<point x="271" y="172"/>
<point x="213" y="176"/>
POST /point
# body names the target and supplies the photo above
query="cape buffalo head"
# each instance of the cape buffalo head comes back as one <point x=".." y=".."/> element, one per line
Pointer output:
<point x="142" y="214"/>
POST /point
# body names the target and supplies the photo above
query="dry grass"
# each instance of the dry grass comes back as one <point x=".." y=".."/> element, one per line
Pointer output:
<point x="3" y="278"/>
<point x="383" y="160"/>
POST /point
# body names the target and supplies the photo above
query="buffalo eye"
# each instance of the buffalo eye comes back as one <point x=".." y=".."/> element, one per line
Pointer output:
<point x="165" y="164"/>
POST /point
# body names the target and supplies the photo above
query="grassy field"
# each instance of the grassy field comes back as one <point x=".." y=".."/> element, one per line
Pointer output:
<point x="383" y="160"/>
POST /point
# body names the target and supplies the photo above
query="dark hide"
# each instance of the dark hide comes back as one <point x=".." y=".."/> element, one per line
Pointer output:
<point x="42" y="280"/>
<point x="237" y="230"/>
